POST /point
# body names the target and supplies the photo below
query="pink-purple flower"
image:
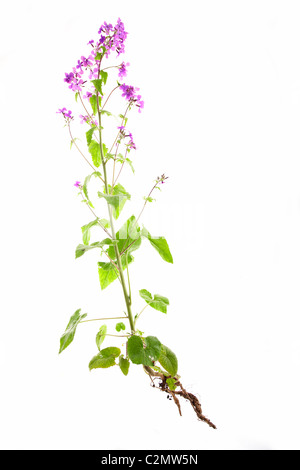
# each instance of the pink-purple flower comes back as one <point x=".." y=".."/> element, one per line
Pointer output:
<point x="67" y="114"/>
<point x="130" y="144"/>
<point x="129" y="92"/>
<point x="122" y="69"/>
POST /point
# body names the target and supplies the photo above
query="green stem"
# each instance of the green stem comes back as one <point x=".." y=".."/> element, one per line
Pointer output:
<point x="119" y="262"/>
<point x="129" y="287"/>
<point x="138" y="316"/>
<point x="100" y="319"/>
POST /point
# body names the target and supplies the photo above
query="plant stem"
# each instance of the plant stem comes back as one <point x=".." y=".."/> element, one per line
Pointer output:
<point x="72" y="139"/>
<point x="129" y="287"/>
<point x="119" y="261"/>
<point x="109" y="97"/>
<point x="98" y="220"/>
<point x="134" y="225"/>
<point x="100" y="319"/>
<point x="138" y="316"/>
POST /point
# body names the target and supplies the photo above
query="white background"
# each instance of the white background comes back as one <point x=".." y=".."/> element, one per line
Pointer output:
<point x="221" y="84"/>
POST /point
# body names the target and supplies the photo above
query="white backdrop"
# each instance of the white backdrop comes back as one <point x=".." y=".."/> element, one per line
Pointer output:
<point x="221" y="84"/>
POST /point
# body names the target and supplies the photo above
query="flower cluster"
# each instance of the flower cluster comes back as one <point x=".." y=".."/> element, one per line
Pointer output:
<point x="88" y="68"/>
<point x="129" y="92"/>
<point x="123" y="134"/>
<point x="88" y="120"/>
<point x="113" y="38"/>
<point x="66" y="114"/>
<point x="122" y="70"/>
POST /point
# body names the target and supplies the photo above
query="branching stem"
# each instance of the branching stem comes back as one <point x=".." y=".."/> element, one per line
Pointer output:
<point x="119" y="261"/>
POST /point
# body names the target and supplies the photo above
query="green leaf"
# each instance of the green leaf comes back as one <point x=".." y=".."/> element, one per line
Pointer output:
<point x="158" y="302"/>
<point x="104" y="76"/>
<point x="86" y="231"/>
<point x="128" y="237"/>
<point x="86" y="182"/>
<point x="168" y="360"/>
<point x="111" y="351"/>
<point x="93" y="102"/>
<point x="98" y="85"/>
<point x="125" y="119"/>
<point x="124" y="364"/>
<point x="117" y="199"/>
<point x="108" y="113"/>
<point x="82" y="249"/>
<point x="105" y="150"/>
<point x="160" y="244"/>
<point x="109" y="273"/>
<point x="100" y="362"/>
<point x="141" y="353"/>
<point x="130" y="164"/>
<point x="106" y="358"/>
<point x="120" y="326"/>
<point x="70" y="331"/>
<point x="100" y="337"/>
<point x="89" y="134"/>
<point x="94" y="149"/>
<point x="145" y="294"/>
<point x="105" y="223"/>
<point x="171" y="384"/>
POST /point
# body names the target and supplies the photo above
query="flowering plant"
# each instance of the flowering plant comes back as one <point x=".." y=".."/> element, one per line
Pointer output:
<point x="87" y="80"/>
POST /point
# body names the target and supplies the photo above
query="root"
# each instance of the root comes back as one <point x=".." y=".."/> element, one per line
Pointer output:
<point x="163" y="386"/>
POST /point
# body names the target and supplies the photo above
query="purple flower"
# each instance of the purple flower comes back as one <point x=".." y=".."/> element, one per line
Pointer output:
<point x="105" y="28"/>
<point x="79" y="65"/>
<point x="77" y="85"/>
<point x="86" y="62"/>
<point x="87" y="95"/>
<point x="93" y="74"/>
<point x="66" y="114"/>
<point x="83" y="119"/>
<point x="130" y="144"/>
<point x="77" y="184"/>
<point x="91" y="42"/>
<point x="129" y="92"/>
<point x="69" y="77"/>
<point x="122" y="69"/>
<point x="69" y="114"/>
<point x="114" y="39"/>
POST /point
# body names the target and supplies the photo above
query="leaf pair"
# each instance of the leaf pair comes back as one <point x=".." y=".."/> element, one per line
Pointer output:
<point x="127" y="237"/>
<point x="82" y="249"/>
<point x="107" y="357"/>
<point x="150" y="350"/>
<point x="158" y="302"/>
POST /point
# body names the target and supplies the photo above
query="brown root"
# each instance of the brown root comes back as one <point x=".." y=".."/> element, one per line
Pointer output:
<point x="163" y="386"/>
